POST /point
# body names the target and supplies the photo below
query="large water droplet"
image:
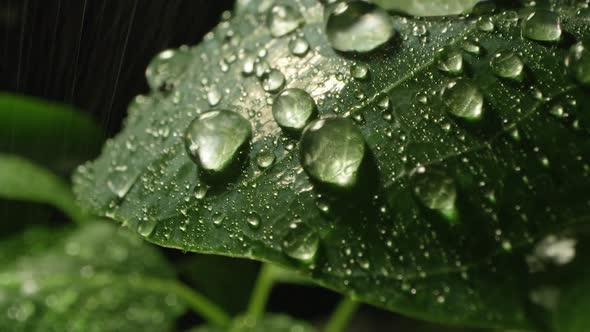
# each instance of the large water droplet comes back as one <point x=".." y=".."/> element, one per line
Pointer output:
<point x="507" y="64"/>
<point x="332" y="151"/>
<point x="273" y="81"/>
<point x="301" y="242"/>
<point x="578" y="62"/>
<point x="542" y="25"/>
<point x="215" y="138"/>
<point x="283" y="19"/>
<point x="293" y="109"/>
<point x="450" y="61"/>
<point x="358" y="26"/>
<point x="436" y="191"/>
<point x="463" y="99"/>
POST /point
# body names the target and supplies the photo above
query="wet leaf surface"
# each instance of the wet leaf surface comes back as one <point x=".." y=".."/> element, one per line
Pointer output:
<point x="464" y="169"/>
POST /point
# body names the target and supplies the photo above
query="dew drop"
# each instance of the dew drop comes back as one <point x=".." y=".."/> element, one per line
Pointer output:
<point x="301" y="242"/>
<point x="201" y="191"/>
<point x="507" y="64"/>
<point x="146" y="227"/>
<point x="578" y="62"/>
<point x="360" y="71"/>
<point x="273" y="81"/>
<point x="463" y="99"/>
<point x="215" y="139"/>
<point x="332" y="151"/>
<point x="450" y="61"/>
<point x="293" y="109"/>
<point x="471" y="47"/>
<point x="218" y="218"/>
<point x="164" y="68"/>
<point x="265" y="158"/>
<point x="485" y="24"/>
<point x="253" y="220"/>
<point x="283" y="19"/>
<point x="436" y="191"/>
<point x="214" y="96"/>
<point x="298" y="46"/>
<point x="358" y="26"/>
<point x="542" y="25"/>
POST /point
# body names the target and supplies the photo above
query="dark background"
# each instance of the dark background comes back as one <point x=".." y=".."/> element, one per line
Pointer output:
<point x="92" y="54"/>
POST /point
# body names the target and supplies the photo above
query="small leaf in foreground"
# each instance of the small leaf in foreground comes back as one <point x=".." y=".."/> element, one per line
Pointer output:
<point x="96" y="278"/>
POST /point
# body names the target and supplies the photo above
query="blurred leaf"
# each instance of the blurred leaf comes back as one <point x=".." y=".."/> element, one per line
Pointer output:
<point x="270" y="323"/>
<point x="96" y="278"/>
<point x="472" y="155"/>
<point x="428" y="7"/>
<point x="51" y="134"/>
<point x="22" y="180"/>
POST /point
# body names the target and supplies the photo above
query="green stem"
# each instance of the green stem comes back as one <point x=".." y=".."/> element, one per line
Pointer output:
<point x="197" y="302"/>
<point x="261" y="292"/>
<point x="342" y="315"/>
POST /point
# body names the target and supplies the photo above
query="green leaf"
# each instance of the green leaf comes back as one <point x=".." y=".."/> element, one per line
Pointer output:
<point x="22" y="180"/>
<point x="428" y="7"/>
<point x="272" y="322"/>
<point x="51" y="134"/>
<point x="467" y="164"/>
<point x="97" y="278"/>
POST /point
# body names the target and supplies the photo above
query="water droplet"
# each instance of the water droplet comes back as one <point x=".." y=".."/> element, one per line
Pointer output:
<point x="301" y="242"/>
<point x="298" y="46"/>
<point x="283" y="19"/>
<point x="450" y="61"/>
<point x="471" y="47"/>
<point x="215" y="138"/>
<point x="201" y="191"/>
<point x="578" y="61"/>
<point x="485" y="24"/>
<point x="146" y="227"/>
<point x="273" y="81"/>
<point x="265" y="158"/>
<point x="214" y="96"/>
<point x="218" y="218"/>
<point x="507" y="64"/>
<point x="542" y="25"/>
<point x="249" y="65"/>
<point x="436" y="191"/>
<point x="463" y="99"/>
<point x="293" y="109"/>
<point x="253" y="220"/>
<point x="332" y="151"/>
<point x="165" y="67"/>
<point x="358" y="26"/>
<point x="360" y="71"/>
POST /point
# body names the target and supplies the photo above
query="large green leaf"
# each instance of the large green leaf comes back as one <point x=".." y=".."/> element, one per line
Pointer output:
<point x="22" y="180"/>
<point x="97" y="278"/>
<point x="272" y="322"/>
<point x="446" y="206"/>
<point x="52" y="134"/>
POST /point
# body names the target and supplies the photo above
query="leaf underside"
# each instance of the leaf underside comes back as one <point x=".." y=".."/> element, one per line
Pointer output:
<point x="383" y="246"/>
